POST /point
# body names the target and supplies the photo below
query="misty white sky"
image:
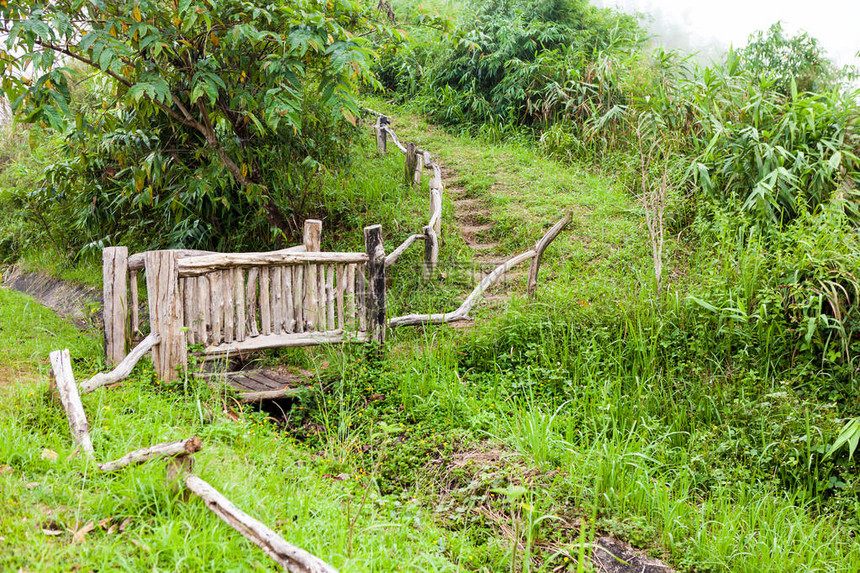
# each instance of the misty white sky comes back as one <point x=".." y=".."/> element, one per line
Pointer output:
<point x="707" y="25"/>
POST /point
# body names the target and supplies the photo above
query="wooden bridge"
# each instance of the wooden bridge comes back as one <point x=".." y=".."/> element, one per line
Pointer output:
<point x="227" y="304"/>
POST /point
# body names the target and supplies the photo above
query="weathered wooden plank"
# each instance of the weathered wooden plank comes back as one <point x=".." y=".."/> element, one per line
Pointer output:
<point x="115" y="302"/>
<point x="251" y="301"/>
<point x="265" y="303"/>
<point x="350" y="298"/>
<point x="135" y="302"/>
<point x="202" y="312"/>
<point x="227" y="290"/>
<point x="276" y="298"/>
<point x="188" y="294"/>
<point x="341" y="288"/>
<point x="216" y="307"/>
<point x="329" y="297"/>
<point x="286" y="341"/>
<point x="289" y="311"/>
<point x="239" y="301"/>
<point x="165" y="313"/>
<point x="299" y="297"/>
<point x="135" y="262"/>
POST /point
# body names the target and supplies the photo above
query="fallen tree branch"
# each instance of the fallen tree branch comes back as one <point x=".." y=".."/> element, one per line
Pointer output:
<point x="391" y="258"/>
<point x="291" y="558"/>
<point x="540" y="247"/>
<point x="165" y="450"/>
<point x="124" y="368"/>
<point x="64" y="378"/>
<point x="462" y="312"/>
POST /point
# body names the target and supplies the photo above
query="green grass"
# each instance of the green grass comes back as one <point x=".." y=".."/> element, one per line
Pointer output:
<point x="595" y="409"/>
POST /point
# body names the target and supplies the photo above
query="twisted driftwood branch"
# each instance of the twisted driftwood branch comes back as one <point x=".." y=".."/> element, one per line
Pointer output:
<point x="165" y="450"/>
<point x="124" y="368"/>
<point x="462" y="312"/>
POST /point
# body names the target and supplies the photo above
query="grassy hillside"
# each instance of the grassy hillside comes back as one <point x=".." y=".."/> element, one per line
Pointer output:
<point x="593" y="410"/>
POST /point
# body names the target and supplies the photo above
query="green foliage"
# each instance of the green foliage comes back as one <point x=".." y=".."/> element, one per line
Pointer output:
<point x="793" y="63"/>
<point x="222" y="94"/>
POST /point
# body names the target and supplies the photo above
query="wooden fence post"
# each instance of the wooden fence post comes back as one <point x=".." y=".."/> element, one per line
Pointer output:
<point x="431" y="252"/>
<point x="419" y="168"/>
<point x="411" y="163"/>
<point x="381" y="135"/>
<point x="115" y="302"/>
<point x="376" y="282"/>
<point x="165" y="313"/>
<point x="312" y="240"/>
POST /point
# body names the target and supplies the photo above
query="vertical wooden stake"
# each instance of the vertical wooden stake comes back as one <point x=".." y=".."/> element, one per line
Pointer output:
<point x="165" y="313"/>
<point x="431" y="252"/>
<point x="411" y="163"/>
<point x="312" y="241"/>
<point x="376" y="282"/>
<point x="381" y="135"/>
<point x="115" y="302"/>
<point x="419" y="167"/>
<point x="64" y="378"/>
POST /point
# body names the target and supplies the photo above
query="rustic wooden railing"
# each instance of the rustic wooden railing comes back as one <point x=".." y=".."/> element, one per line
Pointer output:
<point x="228" y="303"/>
<point x="415" y="162"/>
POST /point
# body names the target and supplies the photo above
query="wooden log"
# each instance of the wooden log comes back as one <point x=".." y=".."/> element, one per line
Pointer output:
<point x="540" y="247"/>
<point x="216" y="307"/>
<point x="411" y="163"/>
<point x="125" y="367"/>
<point x="166" y="450"/>
<point x="289" y="311"/>
<point x="291" y="558"/>
<point x="431" y="252"/>
<point x="239" y="301"/>
<point x="64" y="378"/>
<point x="135" y="302"/>
<point x="376" y="282"/>
<point x="207" y="264"/>
<point x="265" y="303"/>
<point x="203" y="318"/>
<point x="115" y="302"/>
<point x="136" y="261"/>
<point x="329" y="297"/>
<point x="251" y="301"/>
<point x="276" y="283"/>
<point x="350" y="298"/>
<point x="299" y="297"/>
<point x="165" y="313"/>
<point x="285" y="341"/>
<point x="339" y="295"/>
<point x="391" y="258"/>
